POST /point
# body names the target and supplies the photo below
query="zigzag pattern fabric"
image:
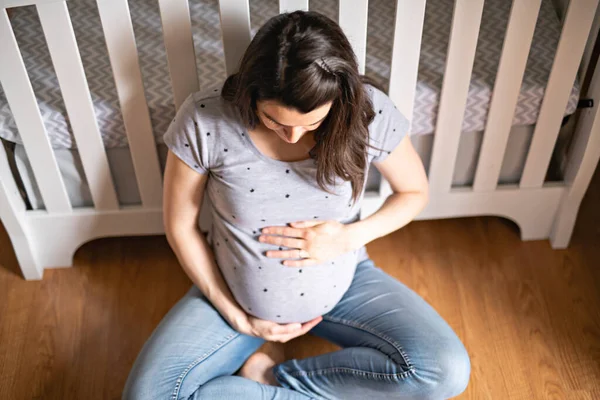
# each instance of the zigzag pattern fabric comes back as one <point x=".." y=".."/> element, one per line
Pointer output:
<point x="211" y="68"/>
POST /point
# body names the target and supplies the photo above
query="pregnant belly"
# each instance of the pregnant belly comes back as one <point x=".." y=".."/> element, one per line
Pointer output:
<point x="269" y="290"/>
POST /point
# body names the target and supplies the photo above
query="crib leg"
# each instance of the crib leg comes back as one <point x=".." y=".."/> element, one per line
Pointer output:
<point x="582" y="164"/>
<point x="535" y="221"/>
<point x="30" y="266"/>
<point x="12" y="215"/>
<point x="583" y="159"/>
<point x="57" y="247"/>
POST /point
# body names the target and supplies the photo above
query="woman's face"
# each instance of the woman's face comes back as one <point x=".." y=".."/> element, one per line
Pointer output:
<point x="288" y="123"/>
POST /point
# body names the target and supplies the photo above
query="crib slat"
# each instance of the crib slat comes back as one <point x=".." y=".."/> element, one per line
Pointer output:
<point x="26" y="113"/>
<point x="58" y="30"/>
<point x="353" y="16"/>
<point x="12" y="215"/>
<point x="588" y="52"/>
<point x="517" y="42"/>
<point x="10" y="198"/>
<point x="406" y="49"/>
<point x="459" y="65"/>
<point x="292" y="5"/>
<point x="120" y="42"/>
<point x="21" y="3"/>
<point x="179" y="44"/>
<point x="576" y="28"/>
<point x="235" y="31"/>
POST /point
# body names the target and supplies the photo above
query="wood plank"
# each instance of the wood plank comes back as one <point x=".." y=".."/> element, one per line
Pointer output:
<point x="179" y="44"/>
<point x="235" y="31"/>
<point x="457" y="78"/>
<point x="353" y="16"/>
<point x="58" y="30"/>
<point x="578" y="22"/>
<point x="406" y="49"/>
<point x="292" y="5"/>
<point x="23" y="104"/>
<point x="120" y="42"/>
<point x="519" y="33"/>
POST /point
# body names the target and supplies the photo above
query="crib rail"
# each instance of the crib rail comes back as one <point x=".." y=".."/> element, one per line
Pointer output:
<point x="235" y="30"/>
<point x="120" y="42"/>
<point x="122" y="50"/>
<point x="21" y="3"/>
<point x="29" y="229"/>
<point x="579" y="19"/>
<point x="457" y="77"/>
<point x="177" y="33"/>
<point x="584" y="157"/>
<point x="235" y="25"/>
<point x="517" y="43"/>
<point x="60" y="37"/>
<point x="353" y="15"/>
<point x="29" y="121"/>
<point x="292" y="5"/>
<point x="404" y="68"/>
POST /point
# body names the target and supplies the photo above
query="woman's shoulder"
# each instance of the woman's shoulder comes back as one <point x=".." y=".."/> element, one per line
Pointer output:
<point x="384" y="106"/>
<point x="389" y="126"/>
<point x="206" y="104"/>
<point x="203" y="124"/>
<point x="208" y="111"/>
<point x="378" y="97"/>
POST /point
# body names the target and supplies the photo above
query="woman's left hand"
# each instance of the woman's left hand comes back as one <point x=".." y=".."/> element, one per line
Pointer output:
<point x="311" y="241"/>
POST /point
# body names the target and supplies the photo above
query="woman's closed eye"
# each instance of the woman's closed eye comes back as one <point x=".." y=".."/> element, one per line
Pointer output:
<point x="277" y="123"/>
<point x="270" y="120"/>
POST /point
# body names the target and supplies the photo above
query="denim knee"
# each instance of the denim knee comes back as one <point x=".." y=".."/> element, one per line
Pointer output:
<point x="457" y="370"/>
<point x="450" y="371"/>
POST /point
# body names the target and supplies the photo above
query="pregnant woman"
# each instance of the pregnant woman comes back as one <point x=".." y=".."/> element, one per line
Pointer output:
<point x="282" y="149"/>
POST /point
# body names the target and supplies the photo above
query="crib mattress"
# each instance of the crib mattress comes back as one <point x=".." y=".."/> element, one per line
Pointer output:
<point x="121" y="166"/>
<point x="209" y="58"/>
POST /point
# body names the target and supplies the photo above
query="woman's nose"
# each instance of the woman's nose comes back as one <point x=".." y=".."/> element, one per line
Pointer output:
<point x="294" y="134"/>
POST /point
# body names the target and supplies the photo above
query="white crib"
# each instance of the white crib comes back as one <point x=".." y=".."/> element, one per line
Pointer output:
<point x="48" y="238"/>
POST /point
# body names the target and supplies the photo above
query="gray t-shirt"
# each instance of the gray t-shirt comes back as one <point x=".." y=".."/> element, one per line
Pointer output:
<point x="249" y="191"/>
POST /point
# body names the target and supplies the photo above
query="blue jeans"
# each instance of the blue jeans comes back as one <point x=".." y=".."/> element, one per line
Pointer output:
<point x="395" y="346"/>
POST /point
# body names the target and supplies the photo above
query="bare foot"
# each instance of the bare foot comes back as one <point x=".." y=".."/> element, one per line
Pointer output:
<point x="258" y="366"/>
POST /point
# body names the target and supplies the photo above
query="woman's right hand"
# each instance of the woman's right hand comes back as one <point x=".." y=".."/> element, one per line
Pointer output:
<point x="272" y="331"/>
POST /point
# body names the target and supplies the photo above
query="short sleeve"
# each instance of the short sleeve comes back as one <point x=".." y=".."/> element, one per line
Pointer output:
<point x="388" y="128"/>
<point x="183" y="137"/>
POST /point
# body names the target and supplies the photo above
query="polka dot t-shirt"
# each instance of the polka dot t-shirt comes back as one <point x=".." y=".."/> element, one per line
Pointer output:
<point x="249" y="191"/>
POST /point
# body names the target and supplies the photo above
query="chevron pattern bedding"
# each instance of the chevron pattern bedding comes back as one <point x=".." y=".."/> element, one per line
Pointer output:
<point x="209" y="58"/>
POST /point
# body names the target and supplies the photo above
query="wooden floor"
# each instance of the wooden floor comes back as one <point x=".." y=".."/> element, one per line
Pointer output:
<point x="528" y="315"/>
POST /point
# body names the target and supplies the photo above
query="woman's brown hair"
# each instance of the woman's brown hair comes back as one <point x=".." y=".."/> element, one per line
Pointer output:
<point x="303" y="60"/>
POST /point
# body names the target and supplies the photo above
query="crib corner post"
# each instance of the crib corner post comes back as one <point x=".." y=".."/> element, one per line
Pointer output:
<point x="583" y="160"/>
<point x="31" y="269"/>
<point x="12" y="215"/>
